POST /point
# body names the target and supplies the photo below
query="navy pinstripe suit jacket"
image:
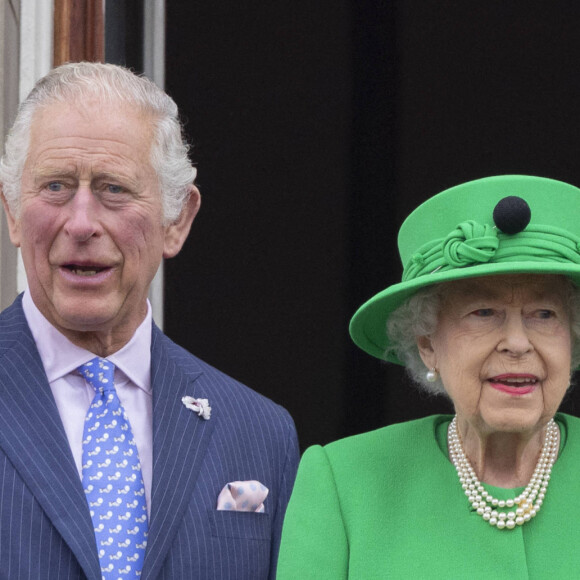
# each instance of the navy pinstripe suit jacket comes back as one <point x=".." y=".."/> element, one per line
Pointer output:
<point x="45" y="527"/>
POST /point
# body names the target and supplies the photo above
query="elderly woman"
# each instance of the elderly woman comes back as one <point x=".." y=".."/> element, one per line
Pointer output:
<point x="488" y="314"/>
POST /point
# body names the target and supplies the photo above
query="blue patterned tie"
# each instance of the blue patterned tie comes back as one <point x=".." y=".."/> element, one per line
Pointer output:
<point x="112" y="477"/>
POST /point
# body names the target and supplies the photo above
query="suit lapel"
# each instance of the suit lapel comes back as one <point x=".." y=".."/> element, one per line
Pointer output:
<point x="33" y="438"/>
<point x="180" y="440"/>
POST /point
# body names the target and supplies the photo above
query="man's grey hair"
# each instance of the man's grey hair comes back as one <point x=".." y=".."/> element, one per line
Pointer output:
<point x="418" y="316"/>
<point x="112" y="85"/>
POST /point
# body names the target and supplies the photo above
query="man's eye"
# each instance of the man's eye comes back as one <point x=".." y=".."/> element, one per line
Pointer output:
<point x="114" y="188"/>
<point x="55" y="186"/>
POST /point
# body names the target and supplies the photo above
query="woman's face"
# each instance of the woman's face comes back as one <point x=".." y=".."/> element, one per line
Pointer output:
<point x="503" y="350"/>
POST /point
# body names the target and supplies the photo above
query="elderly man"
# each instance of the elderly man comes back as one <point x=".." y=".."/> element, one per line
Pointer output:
<point x="121" y="455"/>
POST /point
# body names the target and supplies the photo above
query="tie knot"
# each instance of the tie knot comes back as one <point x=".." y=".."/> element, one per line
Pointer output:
<point x="99" y="372"/>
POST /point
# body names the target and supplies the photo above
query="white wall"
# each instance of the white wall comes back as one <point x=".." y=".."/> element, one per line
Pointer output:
<point x="10" y="18"/>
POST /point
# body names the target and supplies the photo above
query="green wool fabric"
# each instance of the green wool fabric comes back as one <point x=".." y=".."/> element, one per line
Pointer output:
<point x="388" y="504"/>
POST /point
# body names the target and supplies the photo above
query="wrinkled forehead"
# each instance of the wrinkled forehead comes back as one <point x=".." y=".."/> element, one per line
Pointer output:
<point x="92" y="110"/>
<point x="89" y="139"/>
<point x="90" y="122"/>
<point x="508" y="288"/>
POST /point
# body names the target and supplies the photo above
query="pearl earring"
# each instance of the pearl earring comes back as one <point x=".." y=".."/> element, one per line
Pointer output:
<point x="432" y="375"/>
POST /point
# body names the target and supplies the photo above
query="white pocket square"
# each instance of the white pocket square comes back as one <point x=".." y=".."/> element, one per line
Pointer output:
<point x="242" y="496"/>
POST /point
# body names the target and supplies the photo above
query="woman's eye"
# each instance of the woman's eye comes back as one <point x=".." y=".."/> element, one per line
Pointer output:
<point x="545" y="314"/>
<point x="483" y="312"/>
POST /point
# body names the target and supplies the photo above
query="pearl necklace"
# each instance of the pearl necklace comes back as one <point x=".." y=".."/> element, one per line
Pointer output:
<point x="527" y="504"/>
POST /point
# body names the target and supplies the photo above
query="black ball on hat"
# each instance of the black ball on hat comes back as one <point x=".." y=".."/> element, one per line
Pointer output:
<point x="512" y="214"/>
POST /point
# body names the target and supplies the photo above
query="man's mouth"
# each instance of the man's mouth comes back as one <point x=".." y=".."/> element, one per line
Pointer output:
<point x="84" y="270"/>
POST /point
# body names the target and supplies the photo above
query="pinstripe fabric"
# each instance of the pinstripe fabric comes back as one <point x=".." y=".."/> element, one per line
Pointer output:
<point x="45" y="526"/>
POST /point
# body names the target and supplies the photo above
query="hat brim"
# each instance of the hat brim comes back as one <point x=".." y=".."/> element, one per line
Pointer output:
<point x="368" y="327"/>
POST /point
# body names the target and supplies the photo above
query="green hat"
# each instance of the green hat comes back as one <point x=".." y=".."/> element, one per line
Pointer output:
<point x="510" y="224"/>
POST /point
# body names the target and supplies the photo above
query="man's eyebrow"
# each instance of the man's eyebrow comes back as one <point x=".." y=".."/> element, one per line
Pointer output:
<point x="110" y="175"/>
<point x="48" y="172"/>
<point x="58" y="173"/>
<point x="130" y="181"/>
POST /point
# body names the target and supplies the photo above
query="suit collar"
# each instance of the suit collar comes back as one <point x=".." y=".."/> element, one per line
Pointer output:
<point x="32" y="436"/>
<point x="180" y="438"/>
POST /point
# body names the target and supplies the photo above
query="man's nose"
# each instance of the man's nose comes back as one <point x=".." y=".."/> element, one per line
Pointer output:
<point x="83" y="215"/>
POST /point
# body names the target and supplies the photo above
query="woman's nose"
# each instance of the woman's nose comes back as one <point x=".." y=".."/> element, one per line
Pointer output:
<point x="515" y="338"/>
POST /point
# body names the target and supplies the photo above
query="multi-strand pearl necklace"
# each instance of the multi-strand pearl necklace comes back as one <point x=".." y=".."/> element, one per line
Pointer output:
<point x="527" y="504"/>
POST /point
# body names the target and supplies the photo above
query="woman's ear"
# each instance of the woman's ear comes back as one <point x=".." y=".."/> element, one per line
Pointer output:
<point x="426" y="351"/>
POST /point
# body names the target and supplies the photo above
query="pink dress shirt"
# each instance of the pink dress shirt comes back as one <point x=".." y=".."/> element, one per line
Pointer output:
<point x="73" y="395"/>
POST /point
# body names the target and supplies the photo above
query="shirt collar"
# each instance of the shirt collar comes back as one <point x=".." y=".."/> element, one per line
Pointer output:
<point x="60" y="356"/>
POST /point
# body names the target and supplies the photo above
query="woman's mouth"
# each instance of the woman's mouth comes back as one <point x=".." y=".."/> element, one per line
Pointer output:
<point x="514" y="384"/>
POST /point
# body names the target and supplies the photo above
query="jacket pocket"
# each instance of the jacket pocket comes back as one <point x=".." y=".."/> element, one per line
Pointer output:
<point x="240" y="525"/>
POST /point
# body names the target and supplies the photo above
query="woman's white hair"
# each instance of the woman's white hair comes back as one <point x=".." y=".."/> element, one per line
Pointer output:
<point x="418" y="316"/>
<point x="112" y="85"/>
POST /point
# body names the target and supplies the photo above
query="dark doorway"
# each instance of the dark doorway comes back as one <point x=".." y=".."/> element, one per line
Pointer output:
<point x="317" y="127"/>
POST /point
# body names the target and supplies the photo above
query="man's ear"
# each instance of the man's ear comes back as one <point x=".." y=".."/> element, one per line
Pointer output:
<point x="426" y="351"/>
<point x="13" y="223"/>
<point x="177" y="232"/>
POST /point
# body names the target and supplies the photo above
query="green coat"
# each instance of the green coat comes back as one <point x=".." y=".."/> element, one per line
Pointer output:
<point x="388" y="504"/>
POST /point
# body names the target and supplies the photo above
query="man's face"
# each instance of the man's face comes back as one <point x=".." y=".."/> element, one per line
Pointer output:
<point x="91" y="222"/>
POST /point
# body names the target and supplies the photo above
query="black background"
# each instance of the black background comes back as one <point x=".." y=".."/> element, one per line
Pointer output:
<point x="317" y="127"/>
